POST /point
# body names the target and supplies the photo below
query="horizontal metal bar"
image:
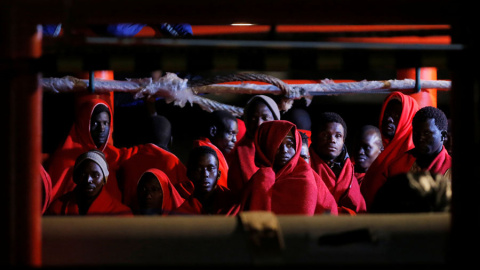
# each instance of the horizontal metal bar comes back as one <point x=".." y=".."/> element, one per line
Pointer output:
<point x="267" y="44"/>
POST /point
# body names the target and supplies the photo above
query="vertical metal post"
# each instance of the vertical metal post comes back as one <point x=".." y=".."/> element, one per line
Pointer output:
<point x="91" y="81"/>
<point x="21" y="118"/>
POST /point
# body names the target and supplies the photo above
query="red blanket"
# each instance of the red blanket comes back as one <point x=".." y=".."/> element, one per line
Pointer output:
<point x="148" y="156"/>
<point x="221" y="202"/>
<point x="404" y="164"/>
<point x="241" y="162"/>
<point x="78" y="141"/>
<point x="103" y="205"/>
<point x="345" y="188"/>
<point x="359" y="176"/>
<point x="325" y="201"/>
<point x="401" y="143"/>
<point x="289" y="190"/>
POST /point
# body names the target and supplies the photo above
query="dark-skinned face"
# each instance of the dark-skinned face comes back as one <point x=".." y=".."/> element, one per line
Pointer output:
<point x="89" y="178"/>
<point x="427" y="138"/>
<point x="391" y="117"/>
<point x="261" y="113"/>
<point x="226" y="139"/>
<point x="205" y="173"/>
<point x="285" y="152"/>
<point x="149" y="192"/>
<point x="100" y="128"/>
<point x="305" y="154"/>
<point x="367" y="150"/>
<point x="330" y="140"/>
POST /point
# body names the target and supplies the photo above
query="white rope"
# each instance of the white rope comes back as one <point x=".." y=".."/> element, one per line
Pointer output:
<point x="178" y="91"/>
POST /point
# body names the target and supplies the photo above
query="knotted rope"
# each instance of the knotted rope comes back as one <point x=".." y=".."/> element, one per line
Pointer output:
<point x="289" y="93"/>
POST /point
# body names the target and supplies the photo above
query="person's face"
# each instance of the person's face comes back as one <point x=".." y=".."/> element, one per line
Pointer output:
<point x="367" y="150"/>
<point x="100" y="128"/>
<point x="305" y="154"/>
<point x="205" y="173"/>
<point x="149" y="192"/>
<point x="391" y="117"/>
<point x="427" y="138"/>
<point x="330" y="140"/>
<point x="261" y="113"/>
<point x="285" y="152"/>
<point x="89" y="178"/>
<point x="225" y="141"/>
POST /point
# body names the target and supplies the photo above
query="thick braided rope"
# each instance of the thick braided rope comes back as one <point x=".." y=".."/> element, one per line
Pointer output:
<point x="284" y="87"/>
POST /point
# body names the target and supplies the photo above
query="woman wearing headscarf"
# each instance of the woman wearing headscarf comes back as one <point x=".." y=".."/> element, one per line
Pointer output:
<point x="156" y="194"/>
<point x="284" y="182"/>
<point x="395" y="125"/>
<point x="89" y="197"/>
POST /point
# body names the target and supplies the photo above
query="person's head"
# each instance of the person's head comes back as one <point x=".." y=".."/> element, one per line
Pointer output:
<point x="161" y="132"/>
<point x="300" y="117"/>
<point x="223" y="130"/>
<point x="413" y="192"/>
<point x="305" y="154"/>
<point x="202" y="169"/>
<point x="286" y="151"/>
<point x="277" y="145"/>
<point x="149" y="194"/>
<point x="391" y="117"/>
<point x="259" y="109"/>
<point x="100" y="125"/>
<point x="90" y="172"/>
<point x="429" y="131"/>
<point x="368" y="145"/>
<point x="329" y="132"/>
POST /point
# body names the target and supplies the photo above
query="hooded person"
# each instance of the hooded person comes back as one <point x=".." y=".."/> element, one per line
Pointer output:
<point x="89" y="196"/>
<point x="156" y="194"/>
<point x="241" y="161"/>
<point x="284" y="183"/>
<point x="92" y="129"/>
<point x="395" y="125"/>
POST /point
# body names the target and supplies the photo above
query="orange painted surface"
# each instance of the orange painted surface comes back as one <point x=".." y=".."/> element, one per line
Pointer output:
<point x="426" y="97"/>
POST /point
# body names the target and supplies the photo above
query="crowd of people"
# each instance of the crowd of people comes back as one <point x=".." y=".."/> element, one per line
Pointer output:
<point x="289" y="163"/>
